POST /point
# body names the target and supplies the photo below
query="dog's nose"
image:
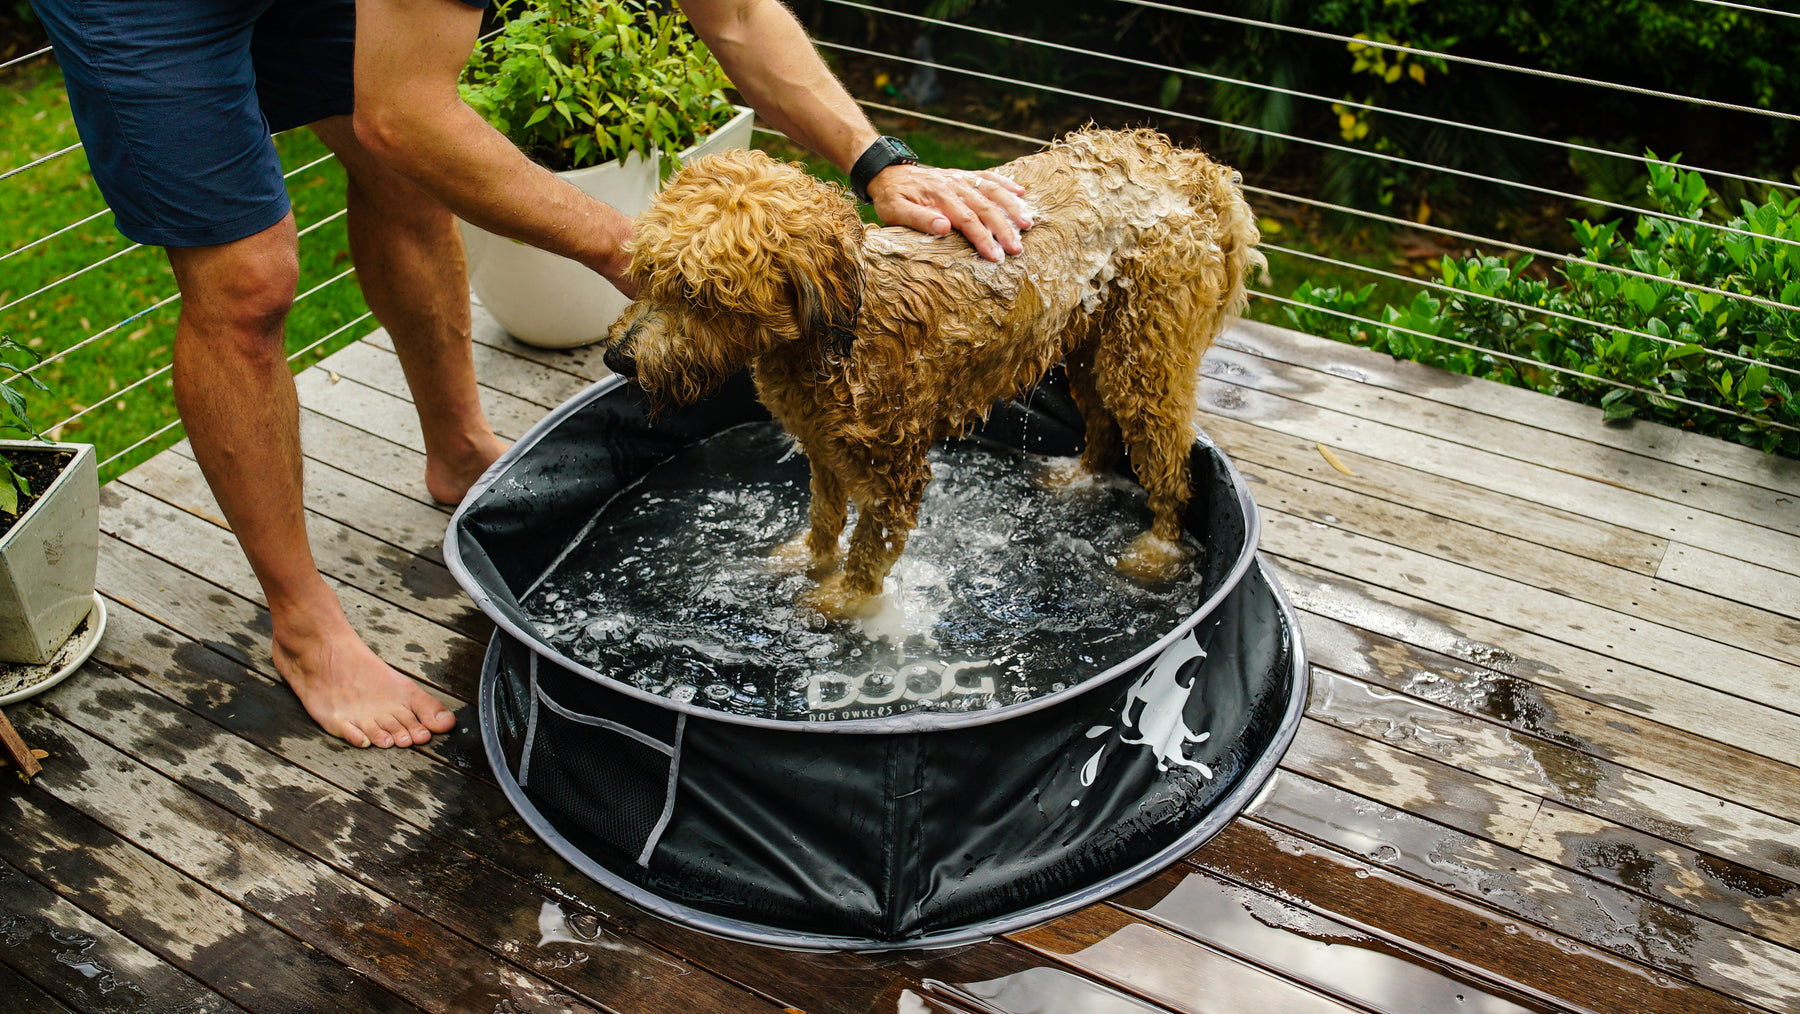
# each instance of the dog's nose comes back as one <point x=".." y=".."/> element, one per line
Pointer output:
<point x="618" y="359"/>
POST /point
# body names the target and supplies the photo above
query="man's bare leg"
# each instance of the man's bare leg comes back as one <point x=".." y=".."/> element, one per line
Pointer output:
<point x="236" y="394"/>
<point x="409" y="261"/>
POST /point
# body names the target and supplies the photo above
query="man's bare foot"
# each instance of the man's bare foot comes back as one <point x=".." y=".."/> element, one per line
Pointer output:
<point x="349" y="691"/>
<point x="448" y="477"/>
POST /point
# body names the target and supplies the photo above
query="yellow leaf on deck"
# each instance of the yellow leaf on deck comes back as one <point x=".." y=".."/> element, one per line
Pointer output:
<point x="1332" y="459"/>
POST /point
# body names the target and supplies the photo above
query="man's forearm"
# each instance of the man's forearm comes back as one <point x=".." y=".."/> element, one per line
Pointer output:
<point x="769" y="59"/>
<point x="409" y="112"/>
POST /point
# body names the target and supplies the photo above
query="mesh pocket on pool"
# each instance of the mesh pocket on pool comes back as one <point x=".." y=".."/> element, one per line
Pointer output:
<point x="612" y="779"/>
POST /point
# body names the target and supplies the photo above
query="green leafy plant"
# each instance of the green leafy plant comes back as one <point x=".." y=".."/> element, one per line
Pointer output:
<point x="1676" y="348"/>
<point x="576" y="83"/>
<point x="13" y="416"/>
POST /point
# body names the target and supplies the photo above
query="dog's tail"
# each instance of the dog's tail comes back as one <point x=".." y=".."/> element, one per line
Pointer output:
<point x="1220" y="188"/>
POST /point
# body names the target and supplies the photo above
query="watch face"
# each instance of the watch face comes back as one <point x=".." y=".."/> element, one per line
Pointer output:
<point x="899" y="148"/>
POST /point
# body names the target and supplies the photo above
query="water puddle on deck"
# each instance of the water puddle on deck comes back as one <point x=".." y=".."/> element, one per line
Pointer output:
<point x="1006" y="592"/>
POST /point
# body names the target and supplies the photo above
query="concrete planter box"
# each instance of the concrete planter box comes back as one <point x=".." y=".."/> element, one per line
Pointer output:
<point x="556" y="303"/>
<point x="48" y="557"/>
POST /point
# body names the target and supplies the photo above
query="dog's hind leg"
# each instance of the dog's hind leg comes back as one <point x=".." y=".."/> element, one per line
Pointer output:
<point x="1101" y="446"/>
<point x="1158" y="432"/>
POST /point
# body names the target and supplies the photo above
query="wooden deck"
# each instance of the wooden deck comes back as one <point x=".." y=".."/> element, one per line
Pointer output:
<point x="1549" y="764"/>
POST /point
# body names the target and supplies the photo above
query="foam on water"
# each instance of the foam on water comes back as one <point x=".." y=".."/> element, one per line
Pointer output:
<point x="1006" y="591"/>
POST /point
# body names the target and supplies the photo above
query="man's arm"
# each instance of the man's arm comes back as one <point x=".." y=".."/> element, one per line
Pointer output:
<point x="769" y="59"/>
<point x="409" y="55"/>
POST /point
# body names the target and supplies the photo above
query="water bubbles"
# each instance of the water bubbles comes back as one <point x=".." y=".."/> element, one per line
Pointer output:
<point x="1004" y="592"/>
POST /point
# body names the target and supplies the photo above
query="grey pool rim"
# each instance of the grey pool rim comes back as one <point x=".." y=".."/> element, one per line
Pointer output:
<point x="1246" y="592"/>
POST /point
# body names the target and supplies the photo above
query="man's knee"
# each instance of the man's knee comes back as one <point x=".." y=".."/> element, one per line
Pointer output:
<point x="241" y="291"/>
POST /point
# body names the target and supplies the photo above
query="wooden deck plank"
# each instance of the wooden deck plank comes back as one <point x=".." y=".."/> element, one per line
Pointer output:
<point x="1641" y="512"/>
<point x="584" y="362"/>
<point x="1613" y="588"/>
<point x="19" y="995"/>
<point x="394" y="946"/>
<point x="351" y="498"/>
<point x="1464" y="934"/>
<point x="380" y="567"/>
<point x="392" y="466"/>
<point x="1696" y="488"/>
<point x="1547" y="612"/>
<point x="1407" y="781"/>
<point x="1552" y="771"/>
<point x="379" y="369"/>
<point x="1542" y="411"/>
<point x="505" y="368"/>
<point x="1254" y="450"/>
<point x="496" y="909"/>
<point x="1716" y="888"/>
<point x="243" y="957"/>
<point x="1717" y="715"/>
<point x="409" y="642"/>
<point x="1736" y="580"/>
<point x="81" y="961"/>
<point x="1587" y="726"/>
<point x="1666" y="932"/>
<point x="1176" y="972"/>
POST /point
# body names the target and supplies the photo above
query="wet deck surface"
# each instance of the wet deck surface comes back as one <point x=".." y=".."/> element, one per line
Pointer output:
<point x="1549" y="762"/>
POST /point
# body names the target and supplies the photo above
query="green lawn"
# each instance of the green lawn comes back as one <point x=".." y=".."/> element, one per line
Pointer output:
<point x="92" y="387"/>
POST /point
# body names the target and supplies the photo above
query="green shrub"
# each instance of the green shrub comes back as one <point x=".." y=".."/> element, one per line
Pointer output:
<point x="575" y="83"/>
<point x="1661" y="336"/>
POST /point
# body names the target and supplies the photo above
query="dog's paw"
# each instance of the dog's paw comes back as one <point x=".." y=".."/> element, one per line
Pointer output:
<point x="832" y="599"/>
<point x="1059" y="474"/>
<point x="793" y="557"/>
<point x="1153" y="560"/>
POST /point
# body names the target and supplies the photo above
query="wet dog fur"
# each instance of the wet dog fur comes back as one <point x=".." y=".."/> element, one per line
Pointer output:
<point x="869" y="344"/>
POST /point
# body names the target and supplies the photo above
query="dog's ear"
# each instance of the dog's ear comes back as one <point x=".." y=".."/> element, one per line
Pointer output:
<point x="828" y="301"/>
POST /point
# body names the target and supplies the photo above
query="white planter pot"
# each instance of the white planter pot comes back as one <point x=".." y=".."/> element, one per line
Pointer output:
<point x="553" y="302"/>
<point x="47" y="559"/>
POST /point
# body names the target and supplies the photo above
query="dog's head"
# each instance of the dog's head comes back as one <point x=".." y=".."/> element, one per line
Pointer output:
<point x="740" y="257"/>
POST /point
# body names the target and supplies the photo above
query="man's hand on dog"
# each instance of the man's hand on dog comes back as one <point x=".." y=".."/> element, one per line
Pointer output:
<point x="984" y="206"/>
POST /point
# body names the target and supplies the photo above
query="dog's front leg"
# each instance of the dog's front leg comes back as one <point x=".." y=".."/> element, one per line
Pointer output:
<point x="878" y="540"/>
<point x="816" y="549"/>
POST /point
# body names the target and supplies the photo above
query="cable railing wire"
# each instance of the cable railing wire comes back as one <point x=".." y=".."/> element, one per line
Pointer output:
<point x="165" y="301"/>
<point x="135" y="246"/>
<point x="147" y="438"/>
<point x="28" y="56"/>
<point x="1488" y="241"/>
<point x="1513" y="305"/>
<point x="1466" y="60"/>
<point x="1524" y="360"/>
<point x="1747" y="8"/>
<point x="1328" y="145"/>
<point x="1346" y="102"/>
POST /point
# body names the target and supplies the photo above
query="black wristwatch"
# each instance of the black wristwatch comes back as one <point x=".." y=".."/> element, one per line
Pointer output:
<point x="886" y="151"/>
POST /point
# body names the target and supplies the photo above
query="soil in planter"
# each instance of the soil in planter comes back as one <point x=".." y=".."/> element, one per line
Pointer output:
<point x="40" y="469"/>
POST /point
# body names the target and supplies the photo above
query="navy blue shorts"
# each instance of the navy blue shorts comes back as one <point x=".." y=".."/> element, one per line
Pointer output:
<point x="175" y="103"/>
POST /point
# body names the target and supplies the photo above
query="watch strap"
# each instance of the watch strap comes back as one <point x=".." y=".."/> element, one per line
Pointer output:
<point x="886" y="151"/>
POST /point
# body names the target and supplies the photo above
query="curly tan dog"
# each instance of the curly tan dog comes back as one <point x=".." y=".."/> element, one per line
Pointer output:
<point x="868" y="345"/>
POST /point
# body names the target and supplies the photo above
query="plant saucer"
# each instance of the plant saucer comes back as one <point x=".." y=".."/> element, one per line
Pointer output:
<point x="19" y="680"/>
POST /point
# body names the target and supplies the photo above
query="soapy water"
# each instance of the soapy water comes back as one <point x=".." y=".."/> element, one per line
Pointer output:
<point x="1006" y="591"/>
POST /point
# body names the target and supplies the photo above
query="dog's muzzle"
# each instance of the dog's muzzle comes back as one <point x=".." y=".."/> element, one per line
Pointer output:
<point x="619" y="359"/>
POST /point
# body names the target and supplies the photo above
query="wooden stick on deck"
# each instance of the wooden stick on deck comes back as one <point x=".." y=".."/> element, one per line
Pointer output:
<point x="16" y="750"/>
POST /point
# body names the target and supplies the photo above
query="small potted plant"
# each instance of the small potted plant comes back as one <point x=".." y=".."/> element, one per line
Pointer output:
<point x="50" y="618"/>
<point x="609" y="94"/>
